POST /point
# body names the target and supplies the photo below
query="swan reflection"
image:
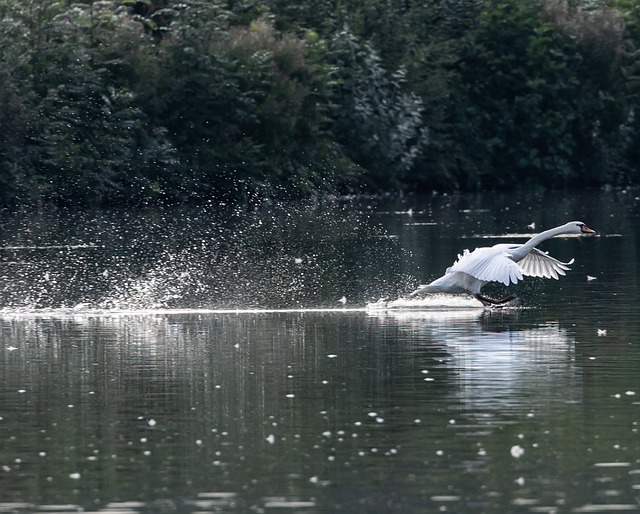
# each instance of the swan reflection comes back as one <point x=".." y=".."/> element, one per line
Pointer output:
<point x="496" y="359"/>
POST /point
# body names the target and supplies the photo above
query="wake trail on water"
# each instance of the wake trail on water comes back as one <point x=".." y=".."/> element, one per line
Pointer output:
<point x="89" y="312"/>
<point x="437" y="303"/>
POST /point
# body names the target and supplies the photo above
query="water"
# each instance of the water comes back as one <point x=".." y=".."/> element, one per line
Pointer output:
<point x="198" y="360"/>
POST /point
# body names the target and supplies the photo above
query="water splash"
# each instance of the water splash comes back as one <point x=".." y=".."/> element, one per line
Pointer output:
<point x="430" y="302"/>
<point x="210" y="257"/>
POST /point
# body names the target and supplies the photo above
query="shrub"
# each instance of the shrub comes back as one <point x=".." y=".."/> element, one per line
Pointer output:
<point x="377" y="121"/>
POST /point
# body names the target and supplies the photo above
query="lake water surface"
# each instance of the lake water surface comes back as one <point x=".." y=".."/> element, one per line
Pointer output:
<point x="199" y="360"/>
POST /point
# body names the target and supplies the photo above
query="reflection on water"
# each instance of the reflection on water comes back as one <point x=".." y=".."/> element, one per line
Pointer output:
<point x="386" y="412"/>
<point x="189" y="406"/>
<point x="501" y="366"/>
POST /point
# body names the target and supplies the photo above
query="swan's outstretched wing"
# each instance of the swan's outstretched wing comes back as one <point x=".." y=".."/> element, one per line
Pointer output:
<point x="492" y="264"/>
<point x="541" y="264"/>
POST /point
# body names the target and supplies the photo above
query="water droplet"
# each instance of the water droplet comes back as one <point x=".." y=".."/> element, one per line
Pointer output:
<point x="517" y="451"/>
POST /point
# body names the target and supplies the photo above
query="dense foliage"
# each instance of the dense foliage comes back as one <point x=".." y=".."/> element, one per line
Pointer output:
<point x="131" y="101"/>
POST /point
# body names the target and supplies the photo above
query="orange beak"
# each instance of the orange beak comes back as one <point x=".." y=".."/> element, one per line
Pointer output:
<point x="587" y="230"/>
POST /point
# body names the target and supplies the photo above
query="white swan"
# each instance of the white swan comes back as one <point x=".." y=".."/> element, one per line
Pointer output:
<point x="506" y="263"/>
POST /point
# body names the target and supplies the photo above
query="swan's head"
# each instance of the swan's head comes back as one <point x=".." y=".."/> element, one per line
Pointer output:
<point x="577" y="227"/>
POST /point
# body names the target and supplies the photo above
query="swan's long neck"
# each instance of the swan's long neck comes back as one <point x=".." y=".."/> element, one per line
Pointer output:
<point x="543" y="236"/>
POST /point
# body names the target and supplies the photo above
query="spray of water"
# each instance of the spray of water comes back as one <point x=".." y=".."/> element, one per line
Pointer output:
<point x="211" y="257"/>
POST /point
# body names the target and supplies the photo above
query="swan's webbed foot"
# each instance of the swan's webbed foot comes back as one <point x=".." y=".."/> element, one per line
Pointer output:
<point x="490" y="302"/>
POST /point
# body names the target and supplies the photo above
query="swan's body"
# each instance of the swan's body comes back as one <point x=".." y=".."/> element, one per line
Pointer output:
<point x="505" y="263"/>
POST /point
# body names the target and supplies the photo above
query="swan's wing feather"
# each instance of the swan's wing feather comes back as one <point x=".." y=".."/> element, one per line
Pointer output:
<point x="540" y="264"/>
<point x="491" y="264"/>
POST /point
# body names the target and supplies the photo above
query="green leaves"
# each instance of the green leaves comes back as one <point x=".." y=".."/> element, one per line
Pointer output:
<point x="117" y="112"/>
<point x="377" y="121"/>
<point x="541" y="100"/>
<point x="122" y="101"/>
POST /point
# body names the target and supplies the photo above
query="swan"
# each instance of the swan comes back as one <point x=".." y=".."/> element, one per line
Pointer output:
<point x="506" y="263"/>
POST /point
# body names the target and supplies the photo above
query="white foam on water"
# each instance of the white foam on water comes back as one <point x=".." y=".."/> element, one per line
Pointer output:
<point x="431" y="302"/>
<point x="90" y="312"/>
<point x="440" y="304"/>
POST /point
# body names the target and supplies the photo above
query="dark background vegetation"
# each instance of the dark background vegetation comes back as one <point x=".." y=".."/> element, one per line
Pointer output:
<point x="131" y="102"/>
